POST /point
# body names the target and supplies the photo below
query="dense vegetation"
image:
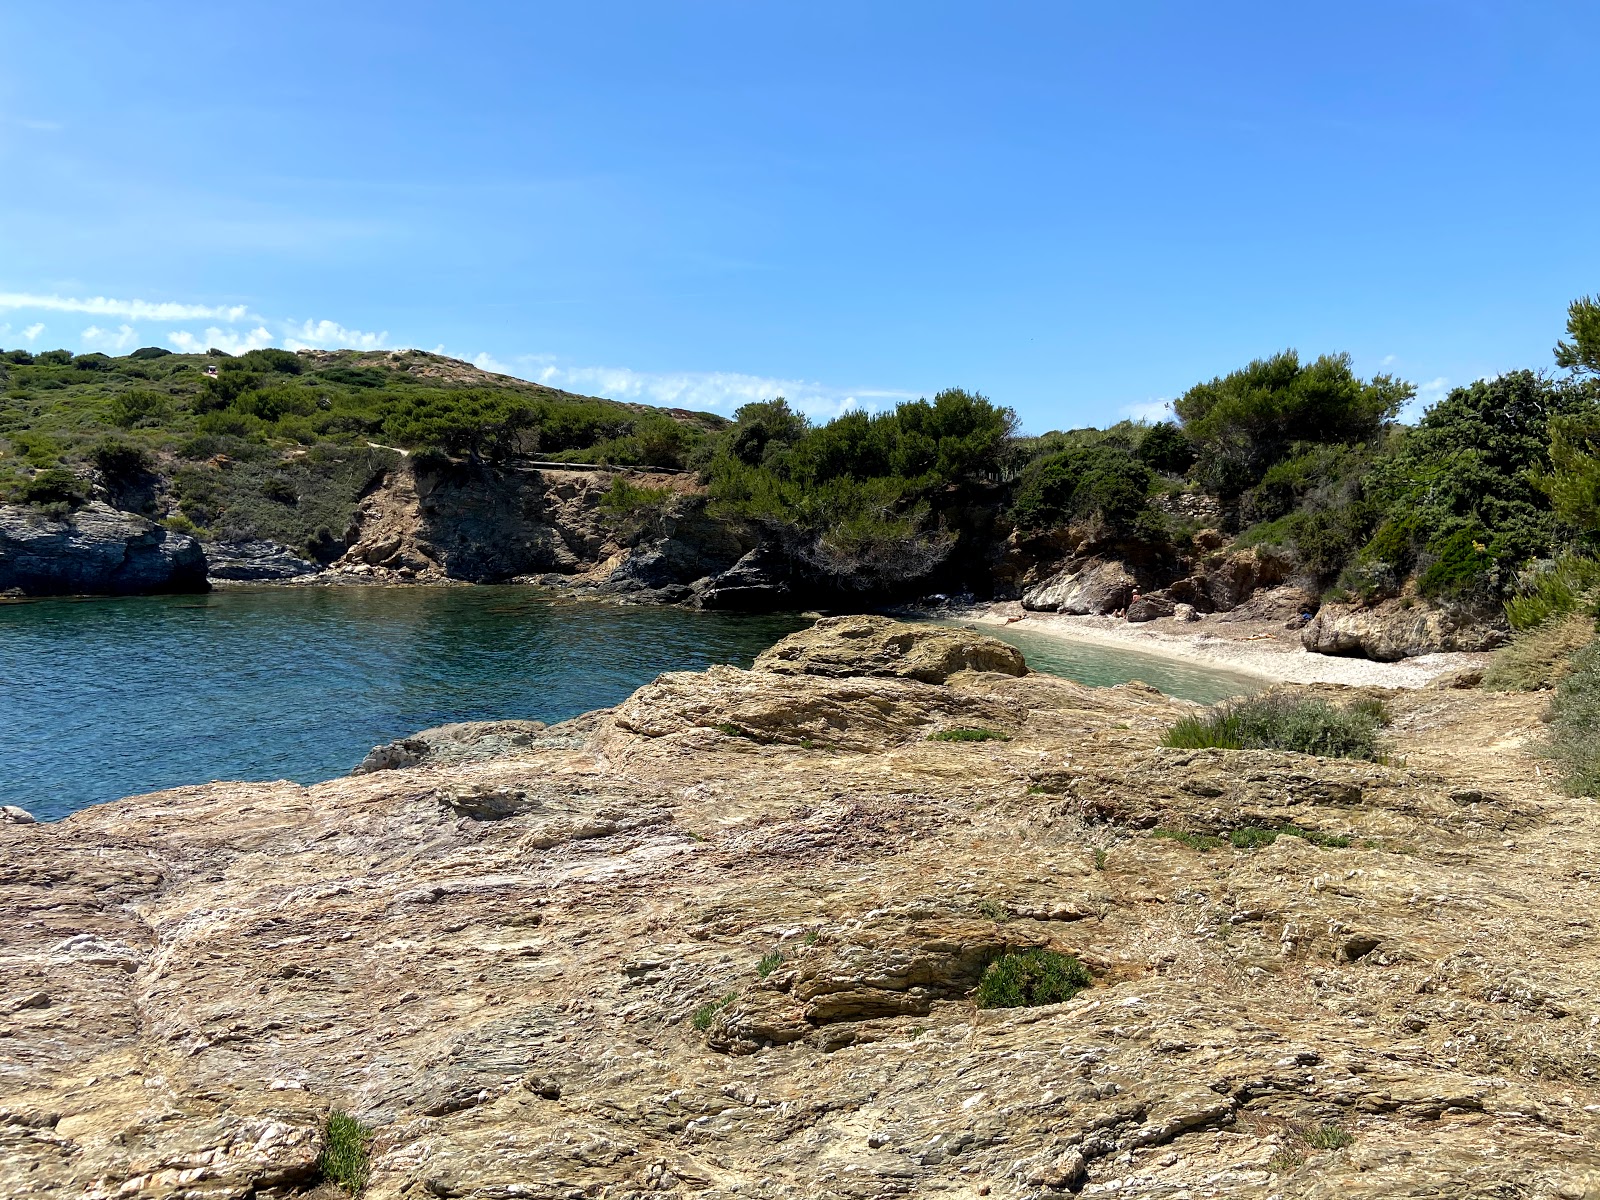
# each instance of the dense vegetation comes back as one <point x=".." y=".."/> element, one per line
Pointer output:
<point x="280" y="445"/>
<point x="1302" y="456"/>
<point x="1275" y="721"/>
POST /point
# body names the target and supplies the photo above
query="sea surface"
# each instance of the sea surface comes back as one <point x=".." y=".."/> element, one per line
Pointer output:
<point x="102" y="698"/>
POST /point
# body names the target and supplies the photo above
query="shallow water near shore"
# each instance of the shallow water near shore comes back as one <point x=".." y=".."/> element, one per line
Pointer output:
<point x="105" y="698"/>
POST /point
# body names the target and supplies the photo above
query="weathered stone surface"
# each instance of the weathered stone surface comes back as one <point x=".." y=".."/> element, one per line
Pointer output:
<point x="1093" y="588"/>
<point x="1397" y="629"/>
<point x="95" y="550"/>
<point x="1151" y="607"/>
<point x="465" y="741"/>
<point x="866" y="645"/>
<point x="760" y="580"/>
<point x="688" y="961"/>
<point x="255" y="562"/>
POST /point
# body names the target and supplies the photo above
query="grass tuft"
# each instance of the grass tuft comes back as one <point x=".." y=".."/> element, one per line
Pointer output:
<point x="994" y="910"/>
<point x="1574" y="738"/>
<point x="969" y="735"/>
<point x="345" y="1159"/>
<point x="707" y="1013"/>
<point x="1277" y="721"/>
<point x="1326" y="1137"/>
<point x="769" y="963"/>
<point x="1029" y="978"/>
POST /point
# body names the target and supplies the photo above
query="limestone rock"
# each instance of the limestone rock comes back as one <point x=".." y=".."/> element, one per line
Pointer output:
<point x="1397" y="629"/>
<point x="254" y="562"/>
<point x="95" y="550"/>
<point x="1092" y="588"/>
<point x="865" y="645"/>
<point x="466" y="741"/>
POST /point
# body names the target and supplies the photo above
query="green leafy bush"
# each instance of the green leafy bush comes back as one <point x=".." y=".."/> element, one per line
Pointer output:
<point x="1570" y="583"/>
<point x="1029" y="978"/>
<point x="1094" y="483"/>
<point x="1278" y="721"/>
<point x="969" y="735"/>
<point x="345" y="1157"/>
<point x="52" y="487"/>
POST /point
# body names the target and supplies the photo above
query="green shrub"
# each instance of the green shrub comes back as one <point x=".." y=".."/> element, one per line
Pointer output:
<point x="1574" y="737"/>
<point x="1251" y="837"/>
<point x="625" y="499"/>
<point x="994" y="910"/>
<point x="1554" y="589"/>
<point x="1278" y="721"/>
<point x="52" y="487"/>
<point x="969" y="735"/>
<point x="120" y="461"/>
<point x="1029" y="978"/>
<point x="769" y="963"/>
<point x="345" y="1159"/>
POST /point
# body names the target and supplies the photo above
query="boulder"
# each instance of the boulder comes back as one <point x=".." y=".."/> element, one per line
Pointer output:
<point x="451" y="745"/>
<point x="255" y="561"/>
<point x="1093" y="588"/>
<point x="1397" y="629"/>
<point x="859" y="645"/>
<point x="1148" y="608"/>
<point x="95" y="550"/>
<point x="758" y="581"/>
<point x="1229" y="580"/>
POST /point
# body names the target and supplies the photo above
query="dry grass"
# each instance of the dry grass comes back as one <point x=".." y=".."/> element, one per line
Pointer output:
<point x="1541" y="657"/>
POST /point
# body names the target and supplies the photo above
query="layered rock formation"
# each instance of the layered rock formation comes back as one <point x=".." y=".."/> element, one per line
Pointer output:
<point x="94" y="550"/>
<point x="1397" y="629"/>
<point x="720" y="941"/>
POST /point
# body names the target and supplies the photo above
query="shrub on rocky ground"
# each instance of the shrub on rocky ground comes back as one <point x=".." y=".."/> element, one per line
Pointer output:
<point x="1028" y="978"/>
<point x="1280" y="722"/>
<point x="969" y="735"/>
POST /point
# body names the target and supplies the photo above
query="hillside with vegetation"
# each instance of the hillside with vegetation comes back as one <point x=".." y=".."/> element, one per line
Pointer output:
<point x="1298" y="460"/>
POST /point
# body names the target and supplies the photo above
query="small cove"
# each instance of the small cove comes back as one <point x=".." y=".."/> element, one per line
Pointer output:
<point x="103" y="698"/>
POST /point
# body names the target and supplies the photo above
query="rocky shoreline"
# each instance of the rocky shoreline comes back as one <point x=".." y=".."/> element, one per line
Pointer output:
<point x="722" y="940"/>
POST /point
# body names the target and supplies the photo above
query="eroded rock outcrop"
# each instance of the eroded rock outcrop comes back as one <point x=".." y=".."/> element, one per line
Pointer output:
<point x="721" y="941"/>
<point x="94" y="550"/>
<point x="1397" y="629"/>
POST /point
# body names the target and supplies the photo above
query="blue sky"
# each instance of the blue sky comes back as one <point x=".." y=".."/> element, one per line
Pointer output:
<point x="1078" y="209"/>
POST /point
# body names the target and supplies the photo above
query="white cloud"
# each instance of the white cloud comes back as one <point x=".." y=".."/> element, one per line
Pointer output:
<point x="230" y="340"/>
<point x="33" y="331"/>
<point x="112" y="341"/>
<point x="1150" y="410"/>
<point x="133" y="310"/>
<point x="330" y="335"/>
<point x="716" y="391"/>
<point x="1428" y="394"/>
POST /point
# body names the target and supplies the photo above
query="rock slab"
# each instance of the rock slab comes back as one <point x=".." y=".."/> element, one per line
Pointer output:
<point x="94" y="550"/>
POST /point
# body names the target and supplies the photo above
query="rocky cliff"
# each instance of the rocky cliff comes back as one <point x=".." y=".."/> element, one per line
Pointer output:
<point x="721" y="941"/>
<point x="94" y="549"/>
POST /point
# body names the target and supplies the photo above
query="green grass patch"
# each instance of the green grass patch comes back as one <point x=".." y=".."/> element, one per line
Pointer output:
<point x="1326" y="1137"/>
<point x="1099" y="860"/>
<point x="345" y="1152"/>
<point x="769" y="963"/>
<point x="707" y="1013"/>
<point x="1250" y="837"/>
<point x="1304" y="724"/>
<point x="969" y="735"/>
<point x="1029" y="978"/>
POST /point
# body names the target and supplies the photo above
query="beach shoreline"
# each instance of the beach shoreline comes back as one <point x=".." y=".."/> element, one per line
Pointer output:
<point x="1264" y="649"/>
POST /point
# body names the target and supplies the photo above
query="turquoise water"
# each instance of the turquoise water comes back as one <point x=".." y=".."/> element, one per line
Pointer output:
<point x="1106" y="666"/>
<point x="112" y="697"/>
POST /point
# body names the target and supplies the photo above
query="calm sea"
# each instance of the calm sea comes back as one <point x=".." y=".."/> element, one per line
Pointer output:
<point x="111" y="697"/>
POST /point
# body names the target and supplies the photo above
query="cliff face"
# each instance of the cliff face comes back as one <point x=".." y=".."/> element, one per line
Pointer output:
<point x="721" y="940"/>
<point x="95" y="549"/>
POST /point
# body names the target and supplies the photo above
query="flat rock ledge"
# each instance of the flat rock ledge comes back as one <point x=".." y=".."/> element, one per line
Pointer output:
<point x="722" y="941"/>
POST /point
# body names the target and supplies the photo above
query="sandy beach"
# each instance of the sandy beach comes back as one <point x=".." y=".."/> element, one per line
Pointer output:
<point x="1262" y="648"/>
